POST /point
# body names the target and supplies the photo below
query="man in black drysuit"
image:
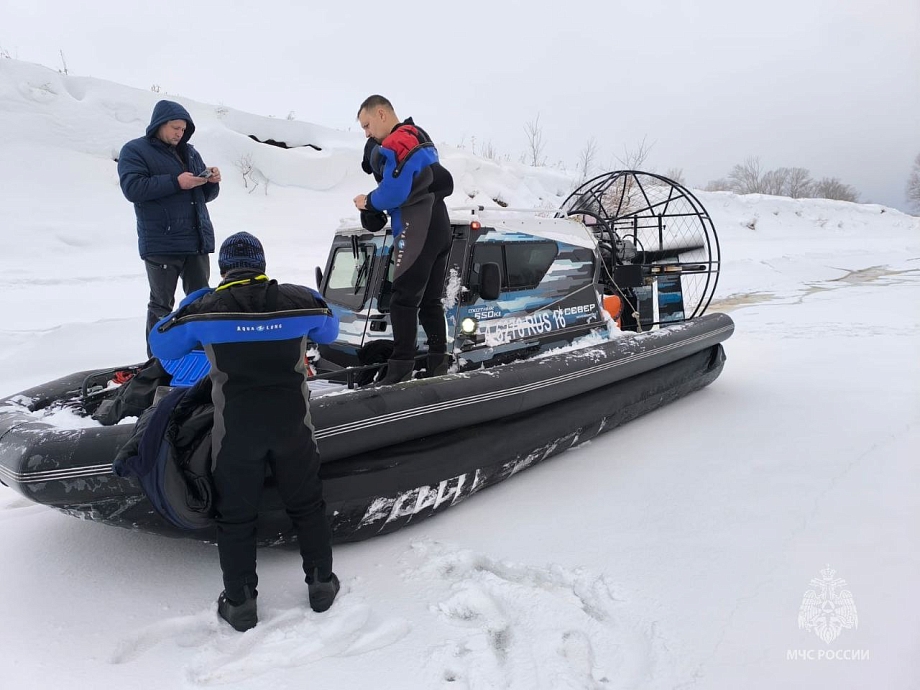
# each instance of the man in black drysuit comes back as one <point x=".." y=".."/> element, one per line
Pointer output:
<point x="254" y="333"/>
<point x="412" y="187"/>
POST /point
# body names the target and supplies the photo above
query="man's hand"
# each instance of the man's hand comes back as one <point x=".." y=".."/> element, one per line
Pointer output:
<point x="189" y="181"/>
<point x="361" y="202"/>
<point x="215" y="175"/>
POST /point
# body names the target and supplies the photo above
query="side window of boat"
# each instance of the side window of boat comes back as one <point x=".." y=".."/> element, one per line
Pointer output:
<point x="487" y="253"/>
<point x="528" y="262"/>
<point x="348" y="277"/>
<point x="522" y="264"/>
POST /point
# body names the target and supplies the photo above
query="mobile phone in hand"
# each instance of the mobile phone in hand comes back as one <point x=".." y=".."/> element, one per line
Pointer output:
<point x="206" y="173"/>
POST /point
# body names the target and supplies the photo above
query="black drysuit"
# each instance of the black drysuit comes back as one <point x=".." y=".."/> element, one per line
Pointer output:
<point x="261" y="413"/>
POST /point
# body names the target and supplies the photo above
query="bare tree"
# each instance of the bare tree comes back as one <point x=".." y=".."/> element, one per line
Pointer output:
<point x="535" y="143"/>
<point x="258" y="176"/>
<point x="799" y="184"/>
<point x="746" y="178"/>
<point x="634" y="158"/>
<point x="676" y="175"/>
<point x="489" y="151"/>
<point x="750" y="178"/>
<point x="244" y="165"/>
<point x="720" y="185"/>
<point x="833" y="188"/>
<point x="586" y="159"/>
<point x="774" y="181"/>
<point x="64" y="63"/>
<point x="913" y="185"/>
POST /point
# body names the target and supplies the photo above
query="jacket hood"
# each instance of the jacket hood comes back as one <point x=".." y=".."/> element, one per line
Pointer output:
<point x="163" y="112"/>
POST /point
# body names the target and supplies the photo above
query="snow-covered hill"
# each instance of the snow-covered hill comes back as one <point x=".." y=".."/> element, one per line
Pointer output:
<point x="59" y="198"/>
<point x="673" y="552"/>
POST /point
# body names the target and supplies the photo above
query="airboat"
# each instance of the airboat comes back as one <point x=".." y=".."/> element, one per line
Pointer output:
<point x="563" y="324"/>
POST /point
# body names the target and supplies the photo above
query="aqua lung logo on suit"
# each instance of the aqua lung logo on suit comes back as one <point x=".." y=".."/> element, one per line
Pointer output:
<point x="828" y="609"/>
<point x="260" y="328"/>
<point x="401" y="244"/>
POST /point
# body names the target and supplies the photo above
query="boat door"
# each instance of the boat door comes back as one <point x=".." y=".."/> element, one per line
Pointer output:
<point x="351" y="286"/>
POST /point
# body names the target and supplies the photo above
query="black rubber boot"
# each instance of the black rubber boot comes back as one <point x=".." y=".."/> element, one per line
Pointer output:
<point x="398" y="370"/>
<point x="322" y="594"/>
<point x="241" y="616"/>
<point x="438" y="365"/>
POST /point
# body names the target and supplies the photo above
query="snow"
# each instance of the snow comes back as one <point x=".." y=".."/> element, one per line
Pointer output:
<point x="673" y="552"/>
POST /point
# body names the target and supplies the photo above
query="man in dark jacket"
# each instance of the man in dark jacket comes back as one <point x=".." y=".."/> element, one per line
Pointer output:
<point x="169" y="185"/>
<point x="412" y="187"/>
<point x="254" y="333"/>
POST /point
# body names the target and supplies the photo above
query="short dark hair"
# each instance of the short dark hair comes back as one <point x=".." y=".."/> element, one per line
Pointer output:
<point x="375" y="101"/>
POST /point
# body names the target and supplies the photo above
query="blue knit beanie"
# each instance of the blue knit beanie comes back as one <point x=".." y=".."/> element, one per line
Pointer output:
<point x="241" y="250"/>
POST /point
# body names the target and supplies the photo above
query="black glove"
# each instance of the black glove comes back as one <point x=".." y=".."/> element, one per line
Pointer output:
<point x="373" y="221"/>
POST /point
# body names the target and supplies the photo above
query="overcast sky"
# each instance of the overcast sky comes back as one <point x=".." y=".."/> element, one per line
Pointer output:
<point x="830" y="85"/>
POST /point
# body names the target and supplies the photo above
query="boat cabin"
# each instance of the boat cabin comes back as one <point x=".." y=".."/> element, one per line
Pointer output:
<point x="517" y="284"/>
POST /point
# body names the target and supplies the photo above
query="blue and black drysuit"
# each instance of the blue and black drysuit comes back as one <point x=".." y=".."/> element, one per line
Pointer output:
<point x="412" y="188"/>
<point x="254" y="333"/>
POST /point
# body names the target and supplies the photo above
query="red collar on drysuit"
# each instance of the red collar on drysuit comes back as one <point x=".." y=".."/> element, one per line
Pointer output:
<point x="401" y="141"/>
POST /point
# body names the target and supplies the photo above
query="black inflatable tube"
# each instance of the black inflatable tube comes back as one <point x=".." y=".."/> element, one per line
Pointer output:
<point x="433" y="423"/>
<point x="412" y="475"/>
<point x="368" y="419"/>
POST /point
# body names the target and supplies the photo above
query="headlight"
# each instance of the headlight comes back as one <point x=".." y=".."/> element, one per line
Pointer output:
<point x="468" y="325"/>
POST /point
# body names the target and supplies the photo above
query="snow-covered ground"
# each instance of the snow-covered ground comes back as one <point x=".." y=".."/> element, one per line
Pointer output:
<point x="674" y="552"/>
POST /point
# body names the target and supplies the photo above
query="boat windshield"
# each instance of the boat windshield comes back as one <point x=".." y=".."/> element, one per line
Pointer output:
<point x="348" y="276"/>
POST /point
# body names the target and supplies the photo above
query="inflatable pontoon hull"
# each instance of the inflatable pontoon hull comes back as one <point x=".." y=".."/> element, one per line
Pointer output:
<point x="397" y="454"/>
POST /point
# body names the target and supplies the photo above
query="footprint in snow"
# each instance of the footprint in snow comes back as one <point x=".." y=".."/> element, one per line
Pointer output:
<point x="284" y="638"/>
<point x="513" y="625"/>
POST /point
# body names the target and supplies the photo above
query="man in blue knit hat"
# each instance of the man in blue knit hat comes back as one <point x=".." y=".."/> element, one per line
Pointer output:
<point x="254" y="333"/>
<point x="165" y="178"/>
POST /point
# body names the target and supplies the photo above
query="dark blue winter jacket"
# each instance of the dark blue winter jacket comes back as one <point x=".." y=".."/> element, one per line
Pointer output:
<point x="170" y="220"/>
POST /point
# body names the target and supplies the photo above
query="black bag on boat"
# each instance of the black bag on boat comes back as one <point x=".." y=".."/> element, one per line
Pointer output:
<point x="135" y="396"/>
<point x="170" y="454"/>
<point x="374" y="352"/>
